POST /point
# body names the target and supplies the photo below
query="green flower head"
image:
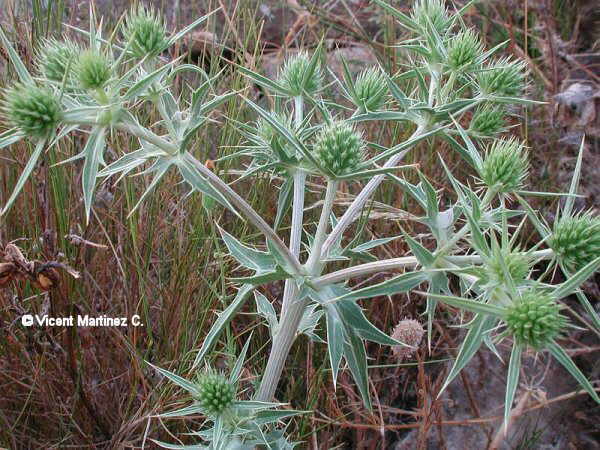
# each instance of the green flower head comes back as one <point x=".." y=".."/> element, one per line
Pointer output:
<point x="487" y="121"/>
<point x="54" y="57"/>
<point x="93" y="69"/>
<point x="504" y="78"/>
<point x="514" y="264"/>
<point x="505" y="166"/>
<point x="215" y="393"/>
<point x="535" y="319"/>
<point x="464" y="48"/>
<point x="370" y="89"/>
<point x="298" y="77"/>
<point x="144" y="32"/>
<point x="339" y="148"/>
<point x="431" y="13"/>
<point x="34" y="110"/>
<point x="576" y="240"/>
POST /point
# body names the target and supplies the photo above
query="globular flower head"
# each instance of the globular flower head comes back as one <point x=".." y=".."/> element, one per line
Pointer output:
<point x="534" y="319"/>
<point x="93" y="69"/>
<point x="370" y="89"/>
<point x="145" y="32"/>
<point x="487" y="121"/>
<point x="409" y="332"/>
<point x="215" y="393"/>
<point x="431" y="13"/>
<point x="464" y="48"/>
<point x="505" y="166"/>
<point x="339" y="148"/>
<point x="503" y="78"/>
<point x="34" y="110"/>
<point x="55" y="57"/>
<point x="576" y="240"/>
<point x="298" y="77"/>
<point x="513" y="264"/>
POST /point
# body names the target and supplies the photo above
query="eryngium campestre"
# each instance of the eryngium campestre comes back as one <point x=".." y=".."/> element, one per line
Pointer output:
<point x="505" y="166"/>
<point x="34" y="110"/>
<point x="535" y="319"/>
<point x="576" y="240"/>
<point x="144" y="32"/>
<point x="215" y="393"/>
<point x="339" y="148"/>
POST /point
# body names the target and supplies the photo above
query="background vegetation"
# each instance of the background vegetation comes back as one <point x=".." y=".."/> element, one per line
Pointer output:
<point x="89" y="387"/>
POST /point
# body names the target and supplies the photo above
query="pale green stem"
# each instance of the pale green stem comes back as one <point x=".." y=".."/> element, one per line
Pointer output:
<point x="292" y="309"/>
<point x="407" y="262"/>
<point x="314" y="263"/>
<point x="290" y="289"/>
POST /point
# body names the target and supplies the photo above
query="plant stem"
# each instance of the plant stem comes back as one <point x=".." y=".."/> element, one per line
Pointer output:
<point x="359" y="202"/>
<point x="290" y="289"/>
<point x="314" y="264"/>
<point x="292" y="309"/>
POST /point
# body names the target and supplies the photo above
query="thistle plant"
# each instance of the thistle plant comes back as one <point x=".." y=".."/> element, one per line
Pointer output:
<point x="305" y="137"/>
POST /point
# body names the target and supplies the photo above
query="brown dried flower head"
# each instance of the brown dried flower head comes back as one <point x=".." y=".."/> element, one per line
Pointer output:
<point x="409" y="332"/>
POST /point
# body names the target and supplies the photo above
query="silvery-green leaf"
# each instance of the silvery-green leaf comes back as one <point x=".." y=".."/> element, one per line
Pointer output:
<point x="266" y="310"/>
<point x="247" y="256"/>
<point x="179" y="381"/>
<point x="577" y="279"/>
<point x="561" y="356"/>
<point x="469" y="305"/>
<point x="512" y="380"/>
<point x="142" y="85"/>
<point x="9" y="137"/>
<point x="223" y="319"/>
<point x="405" y="20"/>
<point x="568" y="208"/>
<point x="92" y="152"/>
<point x="182" y="412"/>
<point x="373" y="243"/>
<point x="353" y="317"/>
<point x="236" y="372"/>
<point x="399" y="284"/>
<point x="189" y="28"/>
<point x="356" y="356"/>
<point x="159" y="168"/>
<point x="33" y="159"/>
<point x="479" y="326"/>
<point x="15" y="59"/>
<point x="284" y="200"/>
<point x="179" y="447"/>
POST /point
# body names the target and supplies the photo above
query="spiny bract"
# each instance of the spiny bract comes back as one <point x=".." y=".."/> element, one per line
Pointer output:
<point x="32" y="109"/>
<point x="93" y="69"/>
<point x="505" y="166"/>
<point x="370" y="88"/>
<point x="144" y="32"/>
<point x="215" y="393"/>
<point x="297" y="78"/>
<point x="576" y="240"/>
<point x="55" y="57"/>
<point x="535" y="319"/>
<point x="339" y="148"/>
